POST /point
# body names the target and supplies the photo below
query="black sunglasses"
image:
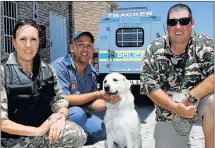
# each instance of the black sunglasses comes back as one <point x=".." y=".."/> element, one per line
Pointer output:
<point x="182" y="21"/>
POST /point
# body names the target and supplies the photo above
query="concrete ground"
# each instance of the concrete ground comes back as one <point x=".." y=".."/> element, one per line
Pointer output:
<point x="147" y="117"/>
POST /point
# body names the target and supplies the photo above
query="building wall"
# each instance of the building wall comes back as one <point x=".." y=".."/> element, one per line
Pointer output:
<point x="87" y="14"/>
<point x="25" y="10"/>
<point x="2" y="30"/>
<point x="80" y="16"/>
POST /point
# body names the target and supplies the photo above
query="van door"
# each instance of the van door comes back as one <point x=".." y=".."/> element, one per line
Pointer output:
<point x="103" y="40"/>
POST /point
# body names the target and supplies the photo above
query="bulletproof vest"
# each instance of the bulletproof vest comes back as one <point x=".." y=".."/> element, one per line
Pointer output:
<point x="29" y="98"/>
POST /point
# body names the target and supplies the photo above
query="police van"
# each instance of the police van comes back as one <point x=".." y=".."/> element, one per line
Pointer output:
<point x="122" y="39"/>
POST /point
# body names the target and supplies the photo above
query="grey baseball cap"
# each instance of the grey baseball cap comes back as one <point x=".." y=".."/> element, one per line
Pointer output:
<point x="79" y="34"/>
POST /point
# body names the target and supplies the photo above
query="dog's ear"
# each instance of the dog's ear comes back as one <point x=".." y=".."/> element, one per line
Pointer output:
<point x="127" y="83"/>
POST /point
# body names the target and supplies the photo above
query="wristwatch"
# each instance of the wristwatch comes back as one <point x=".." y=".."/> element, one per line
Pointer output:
<point x="191" y="99"/>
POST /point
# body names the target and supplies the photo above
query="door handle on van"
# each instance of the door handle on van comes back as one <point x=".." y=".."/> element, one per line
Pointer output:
<point x="112" y="53"/>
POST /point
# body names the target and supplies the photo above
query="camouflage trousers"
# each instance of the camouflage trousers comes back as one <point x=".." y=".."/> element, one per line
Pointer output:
<point x="73" y="137"/>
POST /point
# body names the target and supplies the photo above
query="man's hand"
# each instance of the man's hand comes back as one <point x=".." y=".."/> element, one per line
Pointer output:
<point x="184" y="109"/>
<point x="46" y="125"/>
<point x="109" y="98"/>
<point x="56" y="130"/>
<point x="114" y="98"/>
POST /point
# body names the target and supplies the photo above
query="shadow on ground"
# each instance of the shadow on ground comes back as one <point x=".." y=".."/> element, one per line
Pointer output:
<point x="144" y="112"/>
<point x="143" y="105"/>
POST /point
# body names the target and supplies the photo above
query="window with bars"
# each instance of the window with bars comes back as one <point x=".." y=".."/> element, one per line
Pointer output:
<point x="129" y="37"/>
<point x="9" y="18"/>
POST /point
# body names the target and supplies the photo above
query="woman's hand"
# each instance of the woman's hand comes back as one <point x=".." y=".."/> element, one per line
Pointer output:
<point x="56" y="130"/>
<point x="46" y="125"/>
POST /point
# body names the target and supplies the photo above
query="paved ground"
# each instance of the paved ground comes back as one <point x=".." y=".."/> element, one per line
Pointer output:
<point x="147" y="117"/>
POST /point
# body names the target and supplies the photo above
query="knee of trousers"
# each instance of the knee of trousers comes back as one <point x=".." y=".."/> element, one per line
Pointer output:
<point x="209" y="106"/>
<point x="99" y="135"/>
<point x="74" y="136"/>
<point x="77" y="115"/>
<point x="206" y="106"/>
<point x="211" y="102"/>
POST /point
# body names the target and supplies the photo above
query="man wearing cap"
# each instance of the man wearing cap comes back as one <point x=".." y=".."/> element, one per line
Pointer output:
<point x="78" y="81"/>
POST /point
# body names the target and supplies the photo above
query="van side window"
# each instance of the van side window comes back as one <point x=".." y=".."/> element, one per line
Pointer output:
<point x="129" y="37"/>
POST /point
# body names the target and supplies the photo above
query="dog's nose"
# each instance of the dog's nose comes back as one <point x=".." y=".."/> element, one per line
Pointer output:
<point x="107" y="87"/>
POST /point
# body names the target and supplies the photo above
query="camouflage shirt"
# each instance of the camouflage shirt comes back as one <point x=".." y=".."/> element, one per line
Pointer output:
<point x="56" y="103"/>
<point x="175" y="73"/>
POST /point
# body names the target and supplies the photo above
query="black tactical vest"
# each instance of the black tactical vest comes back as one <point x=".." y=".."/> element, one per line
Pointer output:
<point x="29" y="99"/>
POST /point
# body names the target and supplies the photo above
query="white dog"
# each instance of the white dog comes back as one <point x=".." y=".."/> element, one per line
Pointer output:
<point x="121" y="120"/>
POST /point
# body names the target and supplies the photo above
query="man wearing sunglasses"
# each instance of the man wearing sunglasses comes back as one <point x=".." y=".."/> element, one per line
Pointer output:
<point x="78" y="82"/>
<point x="177" y="75"/>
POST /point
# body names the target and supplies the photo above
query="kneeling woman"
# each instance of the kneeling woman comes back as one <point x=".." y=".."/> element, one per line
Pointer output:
<point x="33" y="113"/>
